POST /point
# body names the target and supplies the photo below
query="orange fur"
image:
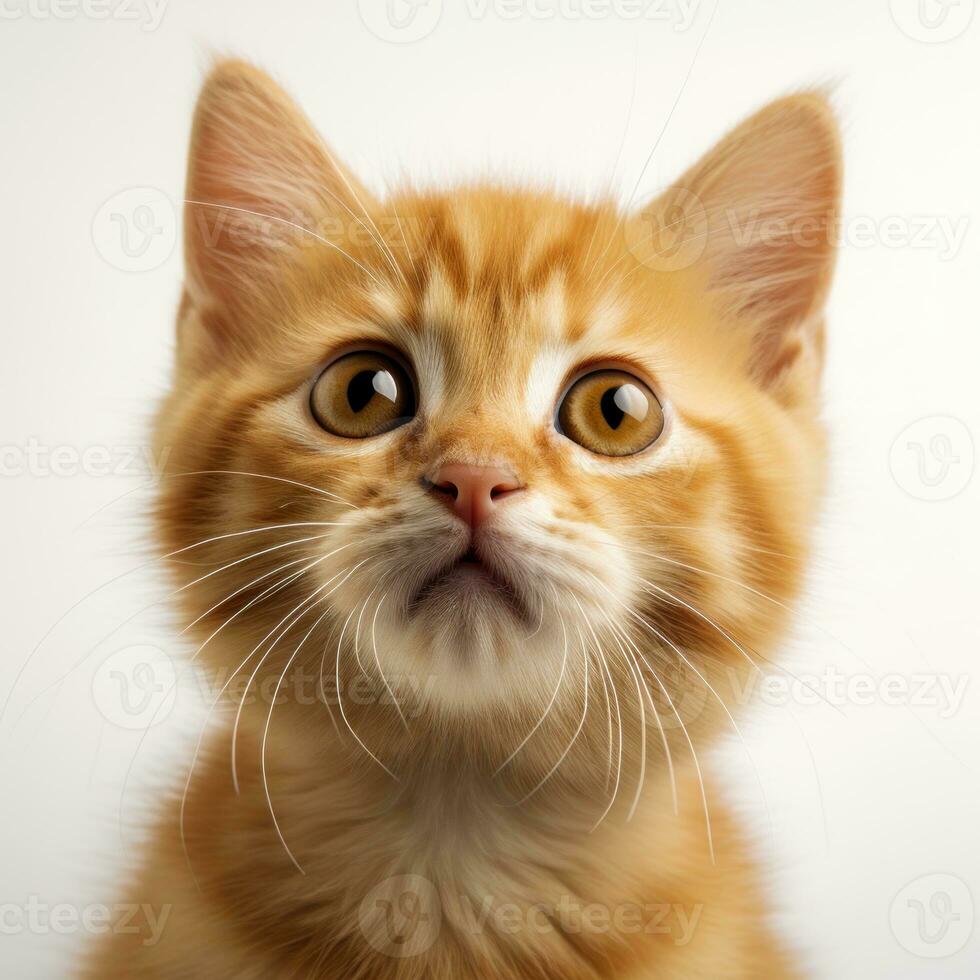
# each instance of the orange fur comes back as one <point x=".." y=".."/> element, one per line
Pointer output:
<point x="647" y="578"/>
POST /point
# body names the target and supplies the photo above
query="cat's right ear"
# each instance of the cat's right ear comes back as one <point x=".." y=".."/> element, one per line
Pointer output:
<point x="260" y="182"/>
<point x="759" y="215"/>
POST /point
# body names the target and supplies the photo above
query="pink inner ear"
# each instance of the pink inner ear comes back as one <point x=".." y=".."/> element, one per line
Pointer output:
<point x="760" y="213"/>
<point x="261" y="179"/>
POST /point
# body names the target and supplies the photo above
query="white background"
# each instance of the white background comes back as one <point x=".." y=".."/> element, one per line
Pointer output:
<point x="863" y="802"/>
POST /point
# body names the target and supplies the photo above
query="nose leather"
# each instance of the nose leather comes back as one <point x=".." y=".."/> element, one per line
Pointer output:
<point x="472" y="492"/>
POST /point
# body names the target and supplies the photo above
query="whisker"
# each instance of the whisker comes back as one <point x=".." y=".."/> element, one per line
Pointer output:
<point x="249" y="531"/>
<point x="619" y="152"/>
<point x="665" y="639"/>
<point x="323" y="687"/>
<point x="637" y="680"/>
<point x="265" y="476"/>
<point x="377" y="660"/>
<point x="738" y="646"/>
<point x="254" y="581"/>
<point x="619" y="717"/>
<point x="139" y="612"/>
<point x="663" y="129"/>
<point x="275" y="479"/>
<point x="291" y="224"/>
<point x="115" y="500"/>
<point x="300" y="612"/>
<point x="270" y="590"/>
<point x="609" y="722"/>
<point x="620" y="635"/>
<point x="761" y="595"/>
<point x="377" y="236"/>
<point x="690" y="745"/>
<point x="531" y="636"/>
<point x="680" y="721"/>
<point x="215" y="702"/>
<point x="408" y="251"/>
<point x="272" y="708"/>
<point x="578" y="730"/>
<point x="340" y="703"/>
<point x="554" y="696"/>
<point x="357" y="630"/>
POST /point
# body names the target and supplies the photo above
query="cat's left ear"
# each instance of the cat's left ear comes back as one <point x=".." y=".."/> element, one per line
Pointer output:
<point x="260" y="183"/>
<point x="759" y="215"/>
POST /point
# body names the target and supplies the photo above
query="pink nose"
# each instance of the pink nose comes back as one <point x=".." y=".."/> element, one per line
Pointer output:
<point x="473" y="492"/>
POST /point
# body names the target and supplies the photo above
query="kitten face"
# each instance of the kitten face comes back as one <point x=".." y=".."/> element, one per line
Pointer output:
<point x="580" y="458"/>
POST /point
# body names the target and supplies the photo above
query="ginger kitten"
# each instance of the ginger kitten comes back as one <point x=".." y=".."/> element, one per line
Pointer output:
<point x="493" y="497"/>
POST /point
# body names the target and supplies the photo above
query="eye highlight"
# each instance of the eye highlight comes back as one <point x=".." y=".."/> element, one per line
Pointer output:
<point x="611" y="412"/>
<point x="362" y="394"/>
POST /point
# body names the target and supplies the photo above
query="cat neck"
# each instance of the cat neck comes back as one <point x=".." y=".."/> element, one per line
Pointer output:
<point x="465" y="851"/>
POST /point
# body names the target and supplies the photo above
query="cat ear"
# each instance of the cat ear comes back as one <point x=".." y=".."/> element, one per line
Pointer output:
<point x="259" y="181"/>
<point x="759" y="214"/>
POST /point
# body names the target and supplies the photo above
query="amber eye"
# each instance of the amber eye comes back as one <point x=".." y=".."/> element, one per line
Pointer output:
<point x="363" y="394"/>
<point x="612" y="413"/>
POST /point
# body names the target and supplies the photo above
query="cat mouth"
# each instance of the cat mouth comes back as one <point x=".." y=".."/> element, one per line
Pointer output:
<point x="468" y="576"/>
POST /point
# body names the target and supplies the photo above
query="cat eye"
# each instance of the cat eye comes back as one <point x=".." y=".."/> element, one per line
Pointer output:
<point x="364" y="393"/>
<point x="611" y="412"/>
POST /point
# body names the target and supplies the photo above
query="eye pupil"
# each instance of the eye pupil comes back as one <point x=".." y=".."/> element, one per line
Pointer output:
<point x="611" y="412"/>
<point x="365" y="384"/>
